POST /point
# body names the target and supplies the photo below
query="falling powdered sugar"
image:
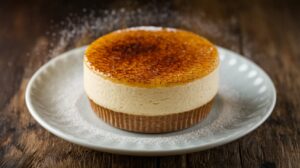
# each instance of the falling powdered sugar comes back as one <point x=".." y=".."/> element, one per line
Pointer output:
<point x="81" y="29"/>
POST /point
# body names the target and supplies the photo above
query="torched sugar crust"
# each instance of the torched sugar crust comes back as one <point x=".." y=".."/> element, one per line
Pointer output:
<point x="152" y="58"/>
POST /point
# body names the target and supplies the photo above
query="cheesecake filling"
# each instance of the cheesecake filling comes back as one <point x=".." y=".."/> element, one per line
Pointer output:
<point x="150" y="101"/>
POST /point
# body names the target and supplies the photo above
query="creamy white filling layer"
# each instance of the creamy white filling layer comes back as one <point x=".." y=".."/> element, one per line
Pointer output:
<point x="150" y="101"/>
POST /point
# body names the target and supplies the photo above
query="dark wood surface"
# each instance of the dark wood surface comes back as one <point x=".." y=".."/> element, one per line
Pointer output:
<point x="267" y="32"/>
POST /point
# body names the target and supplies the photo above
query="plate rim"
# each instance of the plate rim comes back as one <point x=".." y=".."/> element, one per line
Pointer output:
<point x="135" y="151"/>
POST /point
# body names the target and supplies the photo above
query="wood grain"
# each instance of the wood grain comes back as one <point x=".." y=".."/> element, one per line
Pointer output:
<point x="266" y="31"/>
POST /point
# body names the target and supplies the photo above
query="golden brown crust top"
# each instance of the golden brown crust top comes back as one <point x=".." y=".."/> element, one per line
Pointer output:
<point x="150" y="58"/>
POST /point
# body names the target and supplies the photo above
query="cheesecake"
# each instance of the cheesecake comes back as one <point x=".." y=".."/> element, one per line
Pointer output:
<point x="151" y="79"/>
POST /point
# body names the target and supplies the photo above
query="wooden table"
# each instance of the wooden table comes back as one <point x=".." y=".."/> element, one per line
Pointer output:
<point x="267" y="32"/>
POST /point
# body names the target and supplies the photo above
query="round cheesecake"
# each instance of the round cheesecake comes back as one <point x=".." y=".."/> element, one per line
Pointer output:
<point x="151" y="79"/>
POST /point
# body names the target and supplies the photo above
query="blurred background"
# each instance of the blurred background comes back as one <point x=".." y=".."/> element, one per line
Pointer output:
<point x="265" y="31"/>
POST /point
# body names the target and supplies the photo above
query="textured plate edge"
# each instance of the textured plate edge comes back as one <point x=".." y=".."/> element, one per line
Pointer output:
<point x="149" y="152"/>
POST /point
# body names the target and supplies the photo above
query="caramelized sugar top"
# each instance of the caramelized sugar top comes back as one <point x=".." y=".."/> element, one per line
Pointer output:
<point x="152" y="58"/>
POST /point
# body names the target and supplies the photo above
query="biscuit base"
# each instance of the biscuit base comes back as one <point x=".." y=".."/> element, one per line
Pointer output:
<point x="152" y="124"/>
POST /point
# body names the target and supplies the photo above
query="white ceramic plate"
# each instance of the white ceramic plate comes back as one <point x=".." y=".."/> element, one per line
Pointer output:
<point x="56" y="99"/>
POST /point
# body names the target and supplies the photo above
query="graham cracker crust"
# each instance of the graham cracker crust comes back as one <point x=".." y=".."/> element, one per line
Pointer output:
<point x="152" y="124"/>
